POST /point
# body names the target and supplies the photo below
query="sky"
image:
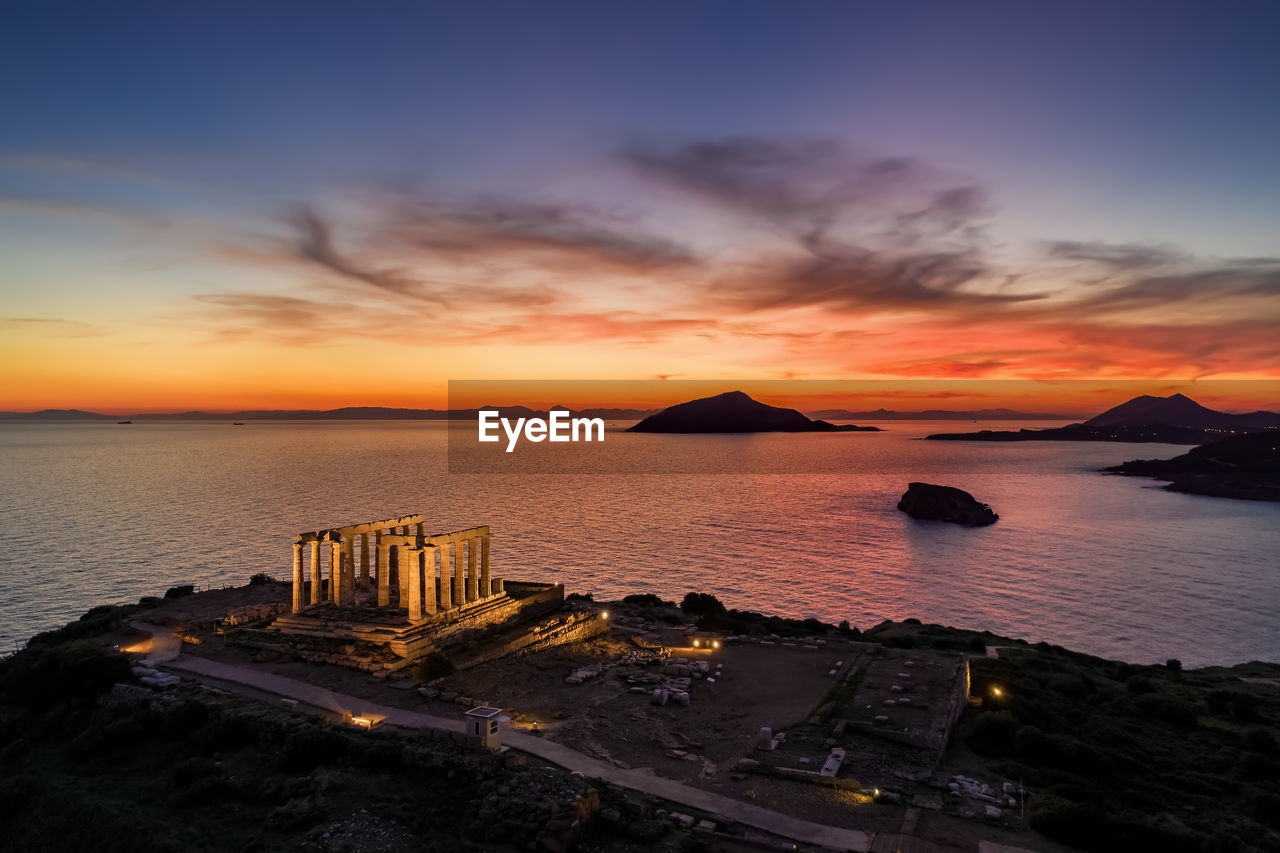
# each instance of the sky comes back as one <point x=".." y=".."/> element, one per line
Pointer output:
<point x="309" y="205"/>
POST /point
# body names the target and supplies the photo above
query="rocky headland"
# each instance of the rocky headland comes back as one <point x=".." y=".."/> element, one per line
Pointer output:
<point x="735" y="412"/>
<point x="97" y="753"/>
<point x="928" y="502"/>
<point x="1246" y="467"/>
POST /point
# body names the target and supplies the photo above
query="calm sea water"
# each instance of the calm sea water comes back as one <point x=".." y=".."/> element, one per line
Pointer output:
<point x="1112" y="566"/>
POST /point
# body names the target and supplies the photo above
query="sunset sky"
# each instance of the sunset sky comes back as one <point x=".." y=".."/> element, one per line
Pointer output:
<point x="247" y="205"/>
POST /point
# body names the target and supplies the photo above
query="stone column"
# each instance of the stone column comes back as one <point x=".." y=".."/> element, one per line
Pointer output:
<point x="316" y="583"/>
<point x="335" y="572"/>
<point x="421" y="532"/>
<point x="364" y="560"/>
<point x="297" y="576"/>
<point x="446" y="578"/>
<point x="486" y="585"/>
<point x="384" y="574"/>
<point x="412" y="559"/>
<point x="404" y="568"/>
<point x="429" y="577"/>
<point x="473" y="580"/>
<point x="459" y="576"/>
<point x="349" y="569"/>
<point x="497" y="586"/>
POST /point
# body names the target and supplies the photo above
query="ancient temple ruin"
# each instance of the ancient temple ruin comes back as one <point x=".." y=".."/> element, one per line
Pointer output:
<point x="382" y="595"/>
<point x="430" y="572"/>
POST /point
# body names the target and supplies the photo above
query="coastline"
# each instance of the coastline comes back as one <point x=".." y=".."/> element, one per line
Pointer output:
<point x="1035" y="715"/>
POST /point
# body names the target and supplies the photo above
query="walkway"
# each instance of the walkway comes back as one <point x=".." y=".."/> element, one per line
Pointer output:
<point x="808" y="832"/>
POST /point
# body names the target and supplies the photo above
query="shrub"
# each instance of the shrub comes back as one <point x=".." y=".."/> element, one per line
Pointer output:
<point x="1245" y="707"/>
<point x="701" y="604"/>
<point x="993" y="733"/>
<point x="647" y="599"/>
<point x="1242" y="706"/>
<point x="39" y="677"/>
<point x="1260" y="740"/>
<point x="98" y="620"/>
<point x="185" y="717"/>
<point x="1140" y="684"/>
<point x="1067" y="821"/>
<point x="1039" y="748"/>
<point x="1266" y="809"/>
<point x="180" y="591"/>
<point x="1174" y="664"/>
<point x="1069" y="685"/>
<point x="1170" y="710"/>
<point x="434" y="665"/>
<point x="1257" y="767"/>
<point x="225" y="733"/>
<point x="206" y="791"/>
<point x="260" y="579"/>
<point x="381" y="756"/>
<point x="307" y="748"/>
<point x="187" y="772"/>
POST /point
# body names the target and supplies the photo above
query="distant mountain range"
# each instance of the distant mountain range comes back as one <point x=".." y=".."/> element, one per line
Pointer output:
<point x="937" y="415"/>
<point x="348" y="413"/>
<point x="380" y="413"/>
<point x="1176" y="419"/>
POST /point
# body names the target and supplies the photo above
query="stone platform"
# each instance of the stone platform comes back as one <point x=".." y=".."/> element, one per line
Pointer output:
<point x="367" y="636"/>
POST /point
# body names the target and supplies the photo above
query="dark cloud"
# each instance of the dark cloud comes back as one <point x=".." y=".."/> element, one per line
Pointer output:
<point x="574" y="234"/>
<point x="866" y="233"/>
<point x="850" y="235"/>
<point x="292" y="319"/>
<point x="1212" y="288"/>
<point x="1124" y="256"/>
<point x="315" y="243"/>
<point x="820" y="193"/>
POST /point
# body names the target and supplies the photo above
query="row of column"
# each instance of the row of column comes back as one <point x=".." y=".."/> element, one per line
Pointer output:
<point x="452" y="589"/>
<point x="421" y="591"/>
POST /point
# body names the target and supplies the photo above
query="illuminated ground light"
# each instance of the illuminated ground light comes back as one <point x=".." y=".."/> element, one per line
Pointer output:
<point x="366" y="721"/>
<point x="996" y="691"/>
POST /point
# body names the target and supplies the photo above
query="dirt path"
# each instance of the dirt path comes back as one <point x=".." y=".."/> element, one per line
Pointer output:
<point x="340" y="703"/>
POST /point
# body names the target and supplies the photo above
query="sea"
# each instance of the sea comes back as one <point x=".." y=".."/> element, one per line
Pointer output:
<point x="800" y="525"/>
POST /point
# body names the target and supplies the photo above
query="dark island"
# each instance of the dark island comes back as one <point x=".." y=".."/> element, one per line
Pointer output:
<point x="1241" y="466"/>
<point x="735" y="412"/>
<point x="1176" y="419"/>
<point x="928" y="502"/>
